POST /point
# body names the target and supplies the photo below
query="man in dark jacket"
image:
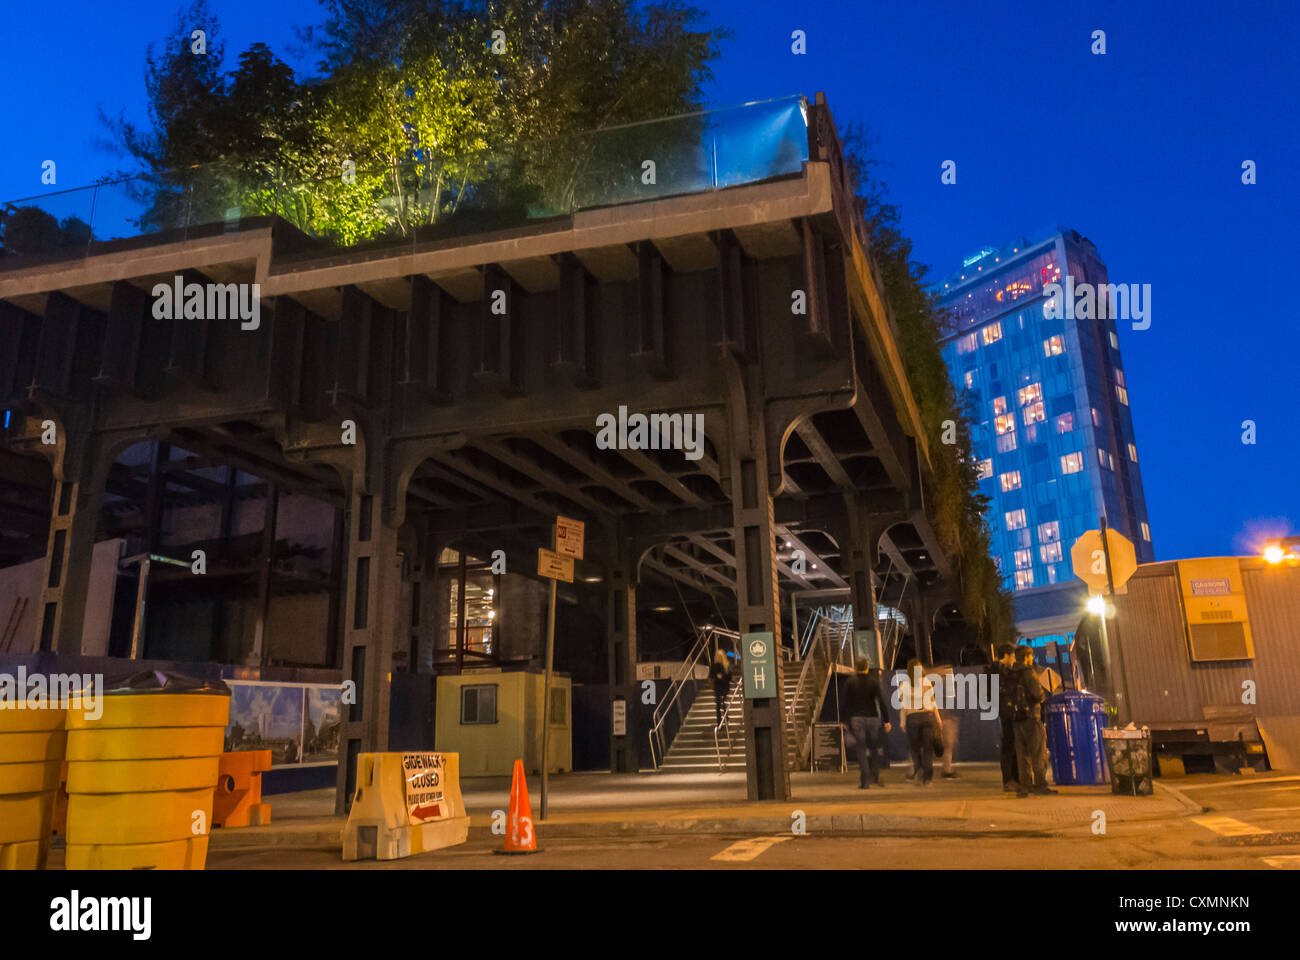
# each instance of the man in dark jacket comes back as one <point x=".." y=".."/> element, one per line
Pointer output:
<point x="864" y="706"/>
<point x="1007" y="746"/>
<point x="1031" y="737"/>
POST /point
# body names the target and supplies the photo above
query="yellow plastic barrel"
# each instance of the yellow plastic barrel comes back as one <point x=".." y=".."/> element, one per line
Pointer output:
<point x="141" y="778"/>
<point x="31" y="757"/>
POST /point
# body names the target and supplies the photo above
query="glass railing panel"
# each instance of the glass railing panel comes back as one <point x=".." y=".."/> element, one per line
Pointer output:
<point x="46" y="227"/>
<point x="429" y="199"/>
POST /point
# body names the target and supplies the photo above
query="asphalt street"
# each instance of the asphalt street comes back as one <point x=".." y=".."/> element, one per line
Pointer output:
<point x="1249" y="823"/>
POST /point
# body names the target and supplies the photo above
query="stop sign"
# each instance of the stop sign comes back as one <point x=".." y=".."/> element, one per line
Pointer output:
<point x="1088" y="557"/>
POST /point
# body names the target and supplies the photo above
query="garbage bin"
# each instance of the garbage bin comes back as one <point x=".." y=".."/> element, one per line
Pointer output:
<point x="142" y="776"/>
<point x="31" y="759"/>
<point x="1074" y="725"/>
<point x="1128" y="753"/>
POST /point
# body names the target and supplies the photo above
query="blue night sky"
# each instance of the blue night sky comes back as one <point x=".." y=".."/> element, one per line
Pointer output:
<point x="1140" y="150"/>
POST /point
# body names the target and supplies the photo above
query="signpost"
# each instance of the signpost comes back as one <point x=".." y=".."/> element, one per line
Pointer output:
<point x="758" y="657"/>
<point x="1105" y="559"/>
<point x="555" y="565"/>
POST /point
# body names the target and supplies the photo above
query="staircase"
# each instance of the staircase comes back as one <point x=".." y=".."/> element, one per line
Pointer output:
<point x="693" y="749"/>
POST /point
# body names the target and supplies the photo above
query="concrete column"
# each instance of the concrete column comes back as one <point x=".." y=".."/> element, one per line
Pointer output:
<point x="429" y="633"/>
<point x="921" y="624"/>
<point x="759" y="610"/>
<point x="371" y="612"/>
<point x="861" y="551"/>
<point x="74" y="520"/>
<point x="620" y="627"/>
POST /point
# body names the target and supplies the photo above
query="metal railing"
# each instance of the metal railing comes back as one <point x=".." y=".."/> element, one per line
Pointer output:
<point x="725" y="722"/>
<point x="684" y="677"/>
<point x="425" y="198"/>
<point x="822" y="653"/>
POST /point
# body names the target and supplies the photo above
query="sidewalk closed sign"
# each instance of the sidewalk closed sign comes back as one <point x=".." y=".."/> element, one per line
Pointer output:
<point x="758" y="658"/>
<point x="424" y="799"/>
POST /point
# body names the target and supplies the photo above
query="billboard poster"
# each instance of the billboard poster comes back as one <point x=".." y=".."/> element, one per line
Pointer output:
<point x="297" y="722"/>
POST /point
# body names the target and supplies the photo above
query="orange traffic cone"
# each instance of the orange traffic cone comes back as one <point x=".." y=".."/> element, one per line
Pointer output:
<point x="520" y="837"/>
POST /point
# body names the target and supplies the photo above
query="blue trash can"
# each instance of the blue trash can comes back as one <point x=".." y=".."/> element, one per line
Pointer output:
<point x="1074" y="724"/>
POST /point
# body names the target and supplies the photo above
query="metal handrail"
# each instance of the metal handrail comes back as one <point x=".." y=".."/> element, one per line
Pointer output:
<point x="832" y="656"/>
<point x="808" y="665"/>
<point x="677" y="685"/>
<point x="724" y="722"/>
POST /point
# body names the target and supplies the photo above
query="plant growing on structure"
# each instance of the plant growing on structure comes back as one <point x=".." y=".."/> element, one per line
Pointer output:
<point x="957" y="508"/>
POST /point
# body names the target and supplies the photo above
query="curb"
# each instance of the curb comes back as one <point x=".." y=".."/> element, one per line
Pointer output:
<point x="1190" y="806"/>
<point x="837" y="824"/>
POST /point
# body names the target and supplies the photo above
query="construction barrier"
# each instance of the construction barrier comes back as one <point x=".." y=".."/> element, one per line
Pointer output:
<point x="141" y="777"/>
<point x="32" y="744"/>
<point x="405" y="803"/>
<point x="238" y="802"/>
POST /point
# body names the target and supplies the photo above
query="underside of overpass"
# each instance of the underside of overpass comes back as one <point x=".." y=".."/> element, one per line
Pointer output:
<point x="456" y="395"/>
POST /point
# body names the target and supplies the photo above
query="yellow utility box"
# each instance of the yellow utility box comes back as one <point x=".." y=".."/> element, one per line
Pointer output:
<point x="31" y="758"/>
<point x="142" y="776"/>
<point x="492" y="718"/>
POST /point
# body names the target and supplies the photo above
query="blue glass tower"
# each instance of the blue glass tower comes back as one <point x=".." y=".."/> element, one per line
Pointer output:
<point x="1044" y="388"/>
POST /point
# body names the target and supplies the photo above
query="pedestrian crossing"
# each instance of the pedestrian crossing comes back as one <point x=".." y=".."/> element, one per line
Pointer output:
<point x="1228" y="826"/>
<point x="746" y="850"/>
<point x="1232" y="827"/>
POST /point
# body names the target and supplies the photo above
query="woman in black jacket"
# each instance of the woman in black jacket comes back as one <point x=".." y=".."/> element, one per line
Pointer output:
<point x="720" y="674"/>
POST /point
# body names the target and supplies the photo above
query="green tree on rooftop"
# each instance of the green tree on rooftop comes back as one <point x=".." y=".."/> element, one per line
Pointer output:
<point x="440" y="117"/>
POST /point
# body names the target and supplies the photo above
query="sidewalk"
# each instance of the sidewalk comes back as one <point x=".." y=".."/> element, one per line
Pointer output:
<point x="606" y="804"/>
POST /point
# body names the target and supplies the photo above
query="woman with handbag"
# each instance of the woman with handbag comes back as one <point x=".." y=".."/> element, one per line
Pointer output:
<point x="919" y="714"/>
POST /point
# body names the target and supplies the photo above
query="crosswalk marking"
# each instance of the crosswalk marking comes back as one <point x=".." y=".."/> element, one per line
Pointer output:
<point x="747" y="849"/>
<point x="1227" y="826"/>
<point x="1288" y="862"/>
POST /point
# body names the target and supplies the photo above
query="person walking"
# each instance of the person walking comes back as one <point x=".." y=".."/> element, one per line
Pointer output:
<point x="866" y="711"/>
<point x="919" y="715"/>
<point x="720" y="674"/>
<point x="949" y="723"/>
<point x="1006" y="722"/>
<point x="1031" y="736"/>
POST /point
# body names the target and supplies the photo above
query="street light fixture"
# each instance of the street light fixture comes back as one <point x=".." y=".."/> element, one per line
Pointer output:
<point x="1283" y="548"/>
<point x="1097" y="605"/>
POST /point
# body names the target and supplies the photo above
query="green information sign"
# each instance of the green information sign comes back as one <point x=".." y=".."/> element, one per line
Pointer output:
<point x="758" y="665"/>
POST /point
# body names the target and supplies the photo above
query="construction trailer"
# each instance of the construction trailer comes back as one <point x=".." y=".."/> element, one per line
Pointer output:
<point x="1206" y="652"/>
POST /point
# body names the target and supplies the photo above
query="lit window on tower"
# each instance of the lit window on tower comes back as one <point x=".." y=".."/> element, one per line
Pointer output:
<point x="1072" y="463"/>
<point x="1053" y="346"/>
<point x="1010" y="480"/>
<point x="992" y="333"/>
<point x="1015" y="519"/>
